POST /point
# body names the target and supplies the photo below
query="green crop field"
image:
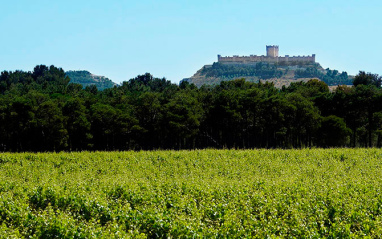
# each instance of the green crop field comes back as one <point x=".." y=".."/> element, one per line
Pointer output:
<point x="311" y="193"/>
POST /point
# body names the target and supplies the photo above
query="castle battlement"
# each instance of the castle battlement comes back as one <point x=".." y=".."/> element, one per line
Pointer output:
<point x="272" y="57"/>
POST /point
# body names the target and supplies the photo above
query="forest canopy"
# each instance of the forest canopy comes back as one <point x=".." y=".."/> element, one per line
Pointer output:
<point x="42" y="111"/>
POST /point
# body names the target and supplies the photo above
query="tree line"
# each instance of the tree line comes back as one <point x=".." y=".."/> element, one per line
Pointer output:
<point x="42" y="111"/>
<point x="262" y="70"/>
<point x="331" y="77"/>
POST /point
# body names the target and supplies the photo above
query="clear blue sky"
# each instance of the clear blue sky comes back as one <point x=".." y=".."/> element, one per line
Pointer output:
<point x="173" y="39"/>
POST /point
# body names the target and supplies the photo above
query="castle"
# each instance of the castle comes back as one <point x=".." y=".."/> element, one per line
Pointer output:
<point x="272" y="56"/>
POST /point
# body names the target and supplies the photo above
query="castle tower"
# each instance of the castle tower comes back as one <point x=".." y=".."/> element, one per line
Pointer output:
<point x="273" y="51"/>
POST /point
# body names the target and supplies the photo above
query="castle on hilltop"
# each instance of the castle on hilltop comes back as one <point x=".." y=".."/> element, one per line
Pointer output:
<point x="272" y="56"/>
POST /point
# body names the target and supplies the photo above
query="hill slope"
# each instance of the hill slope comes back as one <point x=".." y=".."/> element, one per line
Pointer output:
<point x="85" y="78"/>
<point x="277" y="73"/>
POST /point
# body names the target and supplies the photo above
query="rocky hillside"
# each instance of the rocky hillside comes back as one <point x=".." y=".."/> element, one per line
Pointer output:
<point x="85" y="78"/>
<point x="277" y="73"/>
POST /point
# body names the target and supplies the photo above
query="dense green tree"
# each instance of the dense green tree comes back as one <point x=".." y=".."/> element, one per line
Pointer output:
<point x="183" y="115"/>
<point x="103" y="119"/>
<point x="20" y="122"/>
<point x="367" y="79"/>
<point x="333" y="132"/>
<point x="377" y="126"/>
<point x="148" y="112"/>
<point x="365" y="104"/>
<point x="91" y="89"/>
<point x="77" y="124"/>
<point x="51" y="133"/>
<point x="73" y="89"/>
<point x="303" y="119"/>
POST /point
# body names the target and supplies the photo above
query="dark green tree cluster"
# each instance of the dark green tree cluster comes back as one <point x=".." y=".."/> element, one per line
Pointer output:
<point x="42" y="111"/>
<point x="332" y="77"/>
<point x="262" y="70"/>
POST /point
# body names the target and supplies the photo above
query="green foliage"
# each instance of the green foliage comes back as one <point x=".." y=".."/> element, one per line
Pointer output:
<point x="333" y="132"/>
<point x="42" y="111"/>
<point x="261" y="70"/>
<point x="316" y="193"/>
<point x="330" y="77"/>
<point x="147" y="82"/>
<point x="45" y="79"/>
<point x="50" y="127"/>
<point x="312" y="89"/>
<point x="85" y="78"/>
<point x="367" y="79"/>
<point x="78" y="125"/>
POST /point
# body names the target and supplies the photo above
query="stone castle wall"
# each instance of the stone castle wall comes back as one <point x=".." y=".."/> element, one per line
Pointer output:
<point x="272" y="57"/>
<point x="254" y="58"/>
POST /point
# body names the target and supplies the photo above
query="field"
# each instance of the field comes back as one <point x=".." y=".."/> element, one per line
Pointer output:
<point x="310" y="193"/>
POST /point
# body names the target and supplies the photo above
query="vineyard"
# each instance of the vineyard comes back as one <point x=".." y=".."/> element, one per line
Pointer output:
<point x="310" y="193"/>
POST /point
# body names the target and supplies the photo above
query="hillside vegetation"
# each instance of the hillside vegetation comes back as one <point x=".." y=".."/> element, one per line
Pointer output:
<point x="85" y="78"/>
<point x="281" y="74"/>
<point x="314" y="193"/>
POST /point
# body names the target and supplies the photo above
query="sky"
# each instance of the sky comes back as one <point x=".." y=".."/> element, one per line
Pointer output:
<point x="173" y="39"/>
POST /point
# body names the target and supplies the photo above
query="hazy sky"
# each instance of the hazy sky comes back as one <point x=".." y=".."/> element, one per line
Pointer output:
<point x="173" y="39"/>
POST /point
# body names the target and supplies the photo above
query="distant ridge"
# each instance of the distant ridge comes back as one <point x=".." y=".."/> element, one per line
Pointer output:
<point x="85" y="78"/>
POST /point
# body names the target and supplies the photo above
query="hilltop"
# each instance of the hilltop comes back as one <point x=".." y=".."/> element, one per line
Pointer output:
<point x="281" y="70"/>
<point x="85" y="78"/>
<point x="278" y="74"/>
